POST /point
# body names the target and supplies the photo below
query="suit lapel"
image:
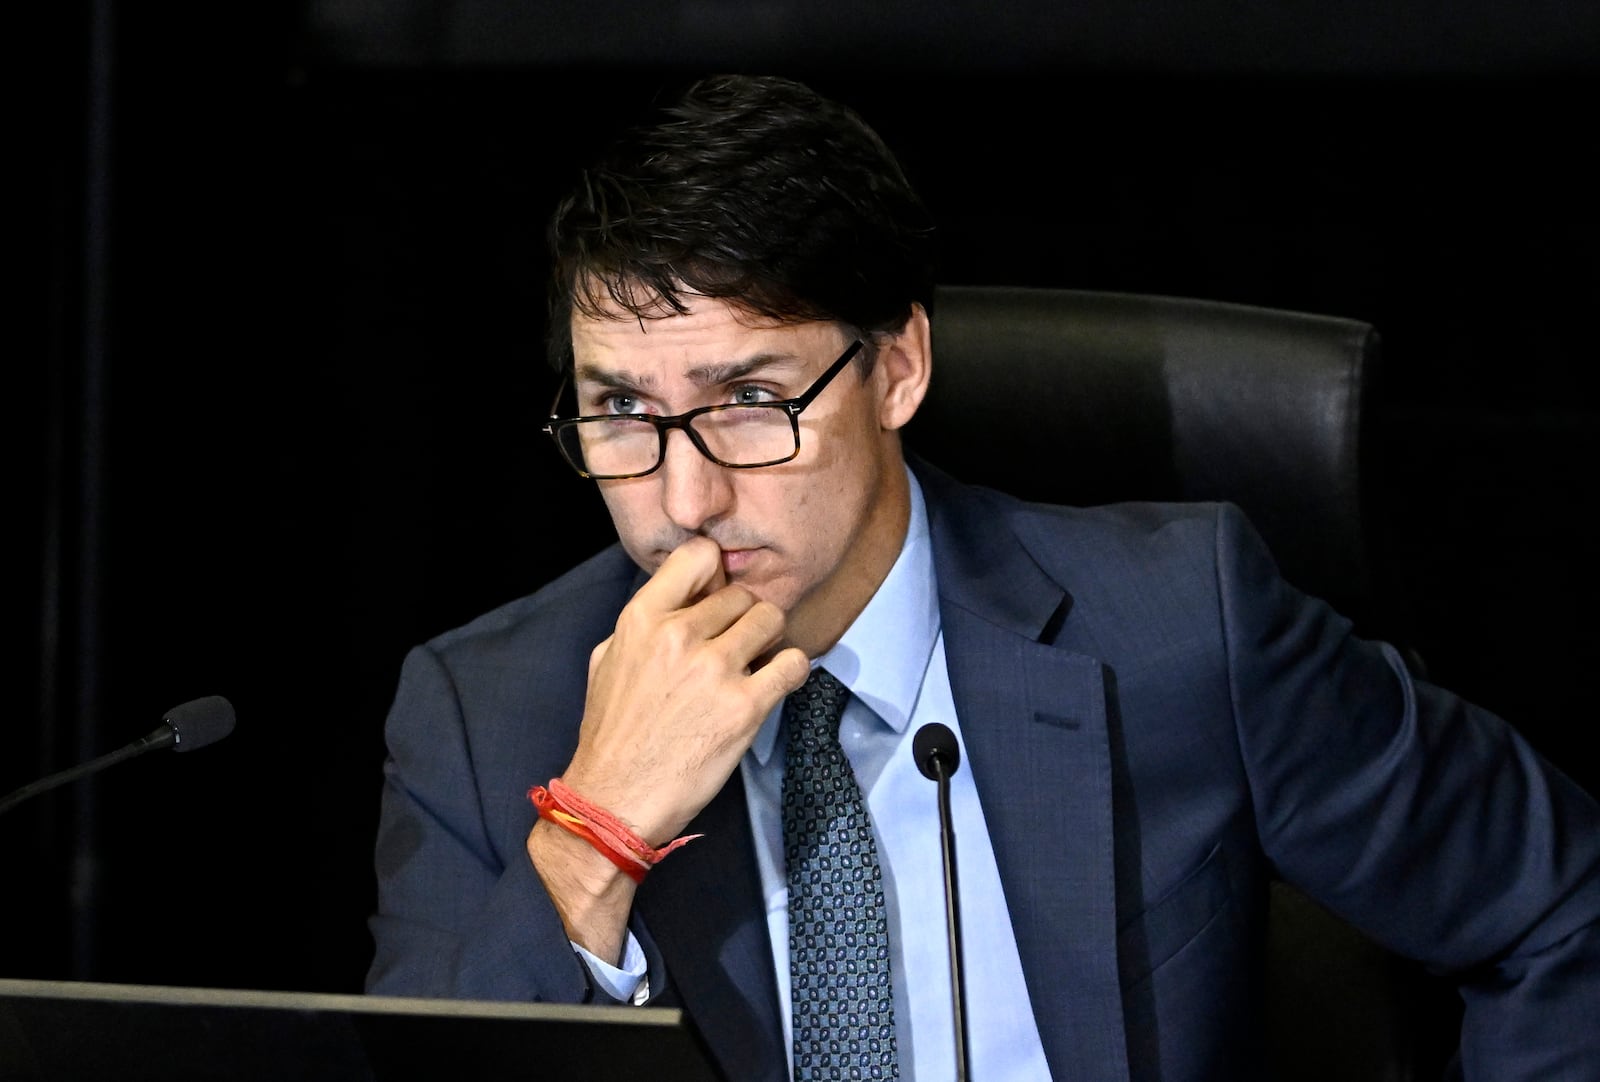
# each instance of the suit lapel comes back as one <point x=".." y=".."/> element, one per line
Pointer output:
<point x="704" y="909"/>
<point x="1033" y="718"/>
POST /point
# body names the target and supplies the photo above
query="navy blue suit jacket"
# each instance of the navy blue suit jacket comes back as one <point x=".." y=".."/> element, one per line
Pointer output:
<point x="1157" y="725"/>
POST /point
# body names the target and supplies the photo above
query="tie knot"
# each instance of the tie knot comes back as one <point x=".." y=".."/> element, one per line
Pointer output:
<point x="814" y="709"/>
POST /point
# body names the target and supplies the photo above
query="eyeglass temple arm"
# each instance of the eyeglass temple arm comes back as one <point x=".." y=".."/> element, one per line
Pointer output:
<point x="797" y="404"/>
<point x="561" y="389"/>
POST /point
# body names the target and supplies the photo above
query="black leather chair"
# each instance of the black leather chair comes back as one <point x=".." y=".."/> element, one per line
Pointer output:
<point x="1083" y="398"/>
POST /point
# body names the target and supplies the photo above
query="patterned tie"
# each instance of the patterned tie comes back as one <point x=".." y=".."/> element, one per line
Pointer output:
<point x="842" y="1001"/>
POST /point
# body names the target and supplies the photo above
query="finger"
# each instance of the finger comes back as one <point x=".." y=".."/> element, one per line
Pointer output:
<point x="753" y="631"/>
<point x="692" y="570"/>
<point x="716" y="613"/>
<point x="784" y="672"/>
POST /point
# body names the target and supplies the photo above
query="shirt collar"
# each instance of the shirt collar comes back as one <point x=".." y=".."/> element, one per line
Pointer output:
<point x="883" y="655"/>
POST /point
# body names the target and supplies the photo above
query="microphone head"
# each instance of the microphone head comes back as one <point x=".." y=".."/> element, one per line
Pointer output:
<point x="935" y="742"/>
<point x="200" y="722"/>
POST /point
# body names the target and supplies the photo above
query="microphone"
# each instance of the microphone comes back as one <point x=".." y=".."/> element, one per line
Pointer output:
<point x="188" y="727"/>
<point x="938" y="756"/>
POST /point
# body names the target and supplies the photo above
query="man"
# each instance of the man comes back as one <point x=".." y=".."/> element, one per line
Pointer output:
<point x="1151" y="722"/>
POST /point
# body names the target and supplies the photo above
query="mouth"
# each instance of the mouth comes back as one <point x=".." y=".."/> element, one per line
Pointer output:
<point x="740" y="555"/>
<point x="737" y="561"/>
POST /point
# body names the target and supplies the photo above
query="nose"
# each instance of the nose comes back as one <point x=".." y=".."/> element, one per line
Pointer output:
<point x="695" y="491"/>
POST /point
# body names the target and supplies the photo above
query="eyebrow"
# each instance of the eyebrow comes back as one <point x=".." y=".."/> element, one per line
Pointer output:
<point x="705" y="375"/>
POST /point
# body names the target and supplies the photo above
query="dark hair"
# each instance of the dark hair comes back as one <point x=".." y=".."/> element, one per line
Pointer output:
<point x="749" y="189"/>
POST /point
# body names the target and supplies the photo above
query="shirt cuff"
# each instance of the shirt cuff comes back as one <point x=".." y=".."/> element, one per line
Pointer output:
<point x="626" y="984"/>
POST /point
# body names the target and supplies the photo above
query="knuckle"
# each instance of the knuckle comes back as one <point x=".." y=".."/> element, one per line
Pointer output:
<point x="630" y="620"/>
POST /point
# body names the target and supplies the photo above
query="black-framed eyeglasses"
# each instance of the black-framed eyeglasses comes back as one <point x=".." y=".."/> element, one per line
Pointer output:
<point x="614" y="446"/>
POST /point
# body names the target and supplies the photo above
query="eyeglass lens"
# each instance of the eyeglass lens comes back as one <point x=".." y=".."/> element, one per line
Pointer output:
<point x="732" y="435"/>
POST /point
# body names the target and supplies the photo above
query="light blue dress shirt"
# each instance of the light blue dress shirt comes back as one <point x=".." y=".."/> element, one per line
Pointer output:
<point x="892" y="660"/>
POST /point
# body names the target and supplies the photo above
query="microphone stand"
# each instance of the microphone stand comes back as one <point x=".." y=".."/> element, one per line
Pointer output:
<point x="952" y="916"/>
<point x="161" y="738"/>
<point x="192" y="725"/>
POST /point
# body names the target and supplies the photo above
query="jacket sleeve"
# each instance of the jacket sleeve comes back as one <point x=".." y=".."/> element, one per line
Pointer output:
<point x="458" y="916"/>
<point x="1424" y="820"/>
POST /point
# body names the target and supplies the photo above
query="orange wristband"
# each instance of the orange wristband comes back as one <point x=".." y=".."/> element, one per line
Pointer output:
<point x="562" y="806"/>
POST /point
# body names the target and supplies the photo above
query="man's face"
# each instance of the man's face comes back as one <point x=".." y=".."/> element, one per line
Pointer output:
<point x="814" y="536"/>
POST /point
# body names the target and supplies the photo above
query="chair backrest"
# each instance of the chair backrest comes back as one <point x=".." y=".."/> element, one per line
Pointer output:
<point x="1082" y="397"/>
<point x="1072" y="396"/>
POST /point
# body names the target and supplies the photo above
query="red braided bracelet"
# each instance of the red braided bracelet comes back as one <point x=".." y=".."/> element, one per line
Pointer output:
<point x="559" y="804"/>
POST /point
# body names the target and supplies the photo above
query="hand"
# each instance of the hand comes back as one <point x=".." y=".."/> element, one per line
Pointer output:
<point x="678" y="692"/>
<point x="676" y="695"/>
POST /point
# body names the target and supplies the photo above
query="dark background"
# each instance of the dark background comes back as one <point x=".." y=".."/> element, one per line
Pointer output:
<point x="272" y="414"/>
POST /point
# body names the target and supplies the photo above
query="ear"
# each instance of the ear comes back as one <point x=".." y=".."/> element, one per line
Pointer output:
<point x="905" y="362"/>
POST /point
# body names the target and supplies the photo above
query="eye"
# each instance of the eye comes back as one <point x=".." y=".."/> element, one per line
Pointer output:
<point x="751" y="395"/>
<point x="619" y="403"/>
